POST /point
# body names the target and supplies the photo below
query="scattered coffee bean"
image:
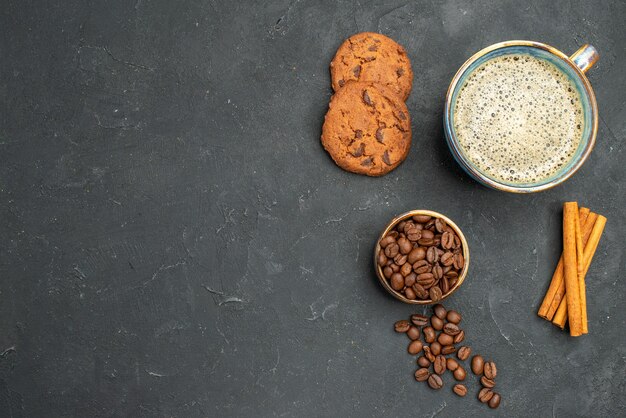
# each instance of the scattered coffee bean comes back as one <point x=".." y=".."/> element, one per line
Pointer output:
<point x="494" y="402"/>
<point x="445" y="339"/>
<point x="440" y="364"/>
<point x="401" y="326"/>
<point x="490" y="370"/>
<point x="460" y="390"/>
<point x="413" y="333"/>
<point x="436" y="323"/>
<point x="464" y="353"/>
<point x="486" y="382"/>
<point x="429" y="334"/>
<point x="478" y="365"/>
<point x="422" y="374"/>
<point x="435" y="348"/>
<point x="459" y="337"/>
<point x="452" y="364"/>
<point x="459" y="374"/>
<point x="423" y="362"/>
<point x="439" y="311"/>
<point x="454" y="317"/>
<point x="485" y="395"/>
<point x="451" y="329"/>
<point x="448" y="349"/>
<point x="435" y="382"/>
<point x="419" y="320"/>
<point x="428" y="354"/>
<point x="415" y="347"/>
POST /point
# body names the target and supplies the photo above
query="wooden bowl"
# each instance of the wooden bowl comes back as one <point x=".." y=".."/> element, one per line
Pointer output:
<point x="379" y="271"/>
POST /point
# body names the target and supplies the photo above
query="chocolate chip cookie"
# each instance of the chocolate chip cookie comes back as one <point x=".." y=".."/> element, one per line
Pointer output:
<point x="372" y="57"/>
<point x="367" y="129"/>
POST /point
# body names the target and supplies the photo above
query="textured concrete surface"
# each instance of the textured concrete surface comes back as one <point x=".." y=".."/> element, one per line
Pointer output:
<point x="175" y="242"/>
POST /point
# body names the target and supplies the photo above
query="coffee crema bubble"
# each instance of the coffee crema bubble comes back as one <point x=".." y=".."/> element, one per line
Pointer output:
<point x="518" y="119"/>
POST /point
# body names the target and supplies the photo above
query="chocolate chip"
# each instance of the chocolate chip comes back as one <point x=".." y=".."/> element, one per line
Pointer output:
<point x="373" y="48"/>
<point x="369" y="59"/>
<point x="366" y="98"/>
<point x="386" y="158"/>
<point x="358" y="133"/>
<point x="359" y="151"/>
<point x="380" y="135"/>
<point x="357" y="71"/>
<point x="401" y="116"/>
<point x="400" y="72"/>
<point x="368" y="162"/>
<point x="342" y="83"/>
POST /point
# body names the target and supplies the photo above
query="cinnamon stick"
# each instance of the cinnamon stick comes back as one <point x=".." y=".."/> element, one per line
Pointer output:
<point x="570" y="269"/>
<point x="556" y="290"/>
<point x="591" y="245"/>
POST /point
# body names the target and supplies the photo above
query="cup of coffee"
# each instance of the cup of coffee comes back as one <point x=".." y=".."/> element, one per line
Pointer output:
<point x="521" y="116"/>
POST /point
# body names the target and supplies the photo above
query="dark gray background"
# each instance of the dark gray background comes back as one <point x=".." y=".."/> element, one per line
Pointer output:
<point x="174" y="241"/>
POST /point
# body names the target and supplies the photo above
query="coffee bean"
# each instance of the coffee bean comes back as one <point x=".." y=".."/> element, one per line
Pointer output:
<point x="435" y="293"/>
<point x="415" y="347"/>
<point x="426" y="242"/>
<point x="460" y="390"/>
<point x="459" y="261"/>
<point x="440" y="225"/>
<point x="464" y="353"/>
<point x="388" y="239"/>
<point x="436" y="323"/>
<point x="435" y="348"/>
<point x="392" y="250"/>
<point x="459" y="337"/>
<point x="382" y="258"/>
<point x="394" y="267"/>
<point x="435" y="382"/>
<point x="485" y="395"/>
<point x="421" y="267"/>
<point x="448" y="349"/>
<point x="428" y="234"/>
<point x="428" y="354"/>
<point x="447" y="240"/>
<point x="447" y="259"/>
<point x="423" y="361"/>
<point x="486" y="382"/>
<point x="432" y="256"/>
<point x="397" y="281"/>
<point x="425" y="278"/>
<point x="401" y="326"/>
<point x="400" y="226"/>
<point x="445" y="339"/>
<point x="478" y="365"/>
<point x="494" y="402"/>
<point x="440" y="311"/>
<point x="416" y="255"/>
<point x="408" y="226"/>
<point x="387" y="272"/>
<point x="459" y="374"/>
<point x="437" y="272"/>
<point x="440" y="364"/>
<point x="409" y="280"/>
<point x="422" y="374"/>
<point x="419" y="320"/>
<point x="405" y="245"/>
<point x="454" y="317"/>
<point x="452" y="364"/>
<point x="400" y="259"/>
<point x="414" y="234"/>
<point x="422" y="218"/>
<point x="452" y="282"/>
<point x="406" y="269"/>
<point x="413" y="333"/>
<point x="429" y="334"/>
<point x="490" y="370"/>
<point x="445" y="285"/>
<point x="430" y="225"/>
<point x="420" y="291"/>
<point x="451" y="329"/>
<point x="409" y="293"/>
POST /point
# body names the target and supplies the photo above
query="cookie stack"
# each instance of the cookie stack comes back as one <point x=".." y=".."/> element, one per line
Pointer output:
<point x="367" y="129"/>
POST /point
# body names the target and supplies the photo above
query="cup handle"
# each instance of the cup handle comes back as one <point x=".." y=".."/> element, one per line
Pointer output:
<point x="585" y="57"/>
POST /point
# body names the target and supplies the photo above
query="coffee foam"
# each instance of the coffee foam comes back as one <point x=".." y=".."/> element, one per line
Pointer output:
<point x="518" y="118"/>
